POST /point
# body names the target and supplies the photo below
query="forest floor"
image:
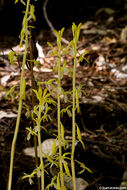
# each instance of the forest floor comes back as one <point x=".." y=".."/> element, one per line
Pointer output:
<point x="103" y="110"/>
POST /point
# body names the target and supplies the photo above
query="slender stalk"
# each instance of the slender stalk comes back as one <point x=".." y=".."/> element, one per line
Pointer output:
<point x="76" y="32"/>
<point x="40" y="148"/>
<point x="36" y="158"/>
<point x="58" y="116"/>
<point x="73" y="126"/>
<point x="20" y="103"/>
<point x="13" y="145"/>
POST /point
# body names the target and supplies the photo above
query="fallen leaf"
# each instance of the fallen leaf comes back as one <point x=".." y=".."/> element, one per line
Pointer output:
<point x="7" y="114"/>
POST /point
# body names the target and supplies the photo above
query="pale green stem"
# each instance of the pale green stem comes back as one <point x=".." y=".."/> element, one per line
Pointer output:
<point x="58" y="119"/>
<point x="20" y="105"/>
<point x="73" y="127"/>
<point x="40" y="148"/>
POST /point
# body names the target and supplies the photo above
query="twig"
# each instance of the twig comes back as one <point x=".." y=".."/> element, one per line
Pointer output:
<point x="50" y="24"/>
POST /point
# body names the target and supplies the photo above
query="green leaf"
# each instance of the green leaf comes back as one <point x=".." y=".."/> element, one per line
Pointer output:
<point x="77" y="101"/>
<point x="58" y="182"/>
<point x="10" y="92"/>
<point x="82" y="165"/>
<point x="65" y="154"/>
<point x="49" y="158"/>
<point x="54" y="52"/>
<point x="36" y="92"/>
<point x="80" y="137"/>
<point x="16" y="1"/>
<point x="62" y="30"/>
<point x="51" y="184"/>
<point x="23" y="2"/>
<point x="78" y="133"/>
<point x="67" y="171"/>
<point x="31" y="132"/>
<point x="30" y="181"/>
<point x="28" y="136"/>
<point x="54" y="147"/>
<point x="40" y="92"/>
<point x="69" y="113"/>
<point x="32" y="11"/>
<point x="35" y="111"/>
<point x="56" y="32"/>
<point x="12" y="57"/>
<point x="66" y="49"/>
<point x="80" y="172"/>
<point x="46" y="95"/>
<point x="73" y="28"/>
<point x="25" y="176"/>
<point x="64" y="110"/>
<point x="83" y="57"/>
